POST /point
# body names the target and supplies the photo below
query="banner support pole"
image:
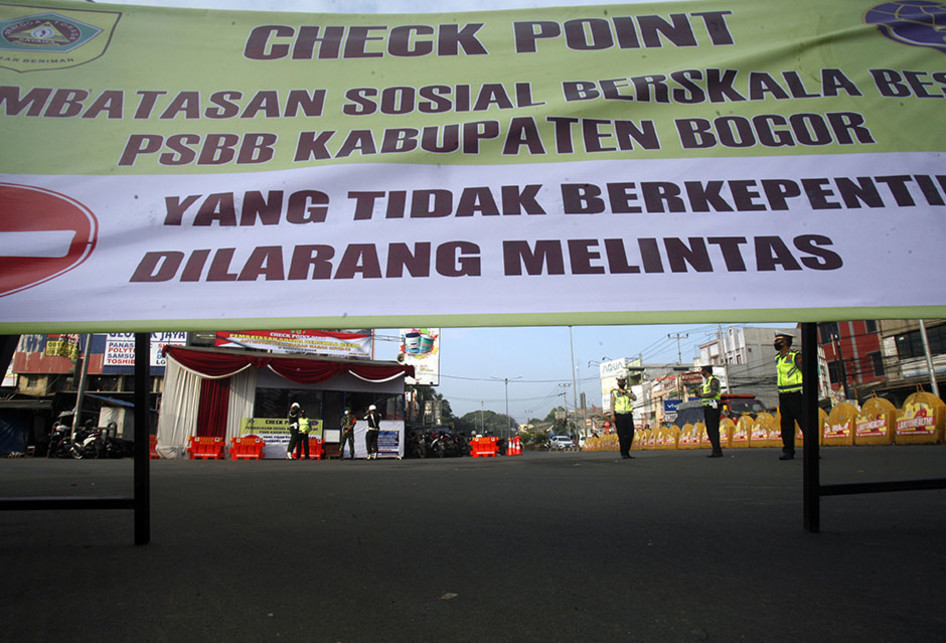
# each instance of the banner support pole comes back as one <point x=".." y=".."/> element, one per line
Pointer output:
<point x="142" y="476"/>
<point x="811" y="466"/>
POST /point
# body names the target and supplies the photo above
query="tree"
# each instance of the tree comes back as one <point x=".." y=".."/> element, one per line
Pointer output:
<point x="488" y="422"/>
<point x="424" y="394"/>
<point x="535" y="436"/>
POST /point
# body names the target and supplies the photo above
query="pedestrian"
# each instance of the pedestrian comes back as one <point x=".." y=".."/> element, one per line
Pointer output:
<point x="373" y="418"/>
<point x="348" y="435"/>
<point x="711" y="399"/>
<point x="294" y="411"/>
<point x="302" y="443"/>
<point x="790" y="401"/>
<point x="622" y="416"/>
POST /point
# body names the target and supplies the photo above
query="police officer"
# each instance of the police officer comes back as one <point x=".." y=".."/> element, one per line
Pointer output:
<point x="372" y="431"/>
<point x="302" y="444"/>
<point x="622" y="416"/>
<point x="294" y="411"/>
<point x="711" y="397"/>
<point x="348" y="435"/>
<point x="788" y="366"/>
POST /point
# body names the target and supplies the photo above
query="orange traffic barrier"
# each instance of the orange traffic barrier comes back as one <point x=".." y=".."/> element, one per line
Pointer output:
<point x="248" y="447"/>
<point x="205" y="448"/>
<point x="153" y="447"/>
<point x="483" y="447"/>
<point x="316" y="452"/>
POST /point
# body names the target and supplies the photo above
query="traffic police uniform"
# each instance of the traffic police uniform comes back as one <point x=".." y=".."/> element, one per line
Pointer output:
<point x="622" y="408"/>
<point x="789" y="399"/>
<point x="711" y="397"/>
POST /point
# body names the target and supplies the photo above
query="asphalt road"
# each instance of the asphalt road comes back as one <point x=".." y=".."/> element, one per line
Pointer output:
<point x="669" y="546"/>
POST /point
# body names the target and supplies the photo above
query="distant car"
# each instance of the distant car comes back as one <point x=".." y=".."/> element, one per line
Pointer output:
<point x="560" y="443"/>
<point x="733" y="407"/>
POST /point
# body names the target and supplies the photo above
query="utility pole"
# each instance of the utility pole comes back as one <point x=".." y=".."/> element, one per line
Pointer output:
<point x="80" y="392"/>
<point x="678" y="338"/>
<point x="723" y="355"/>
<point x="929" y="358"/>
<point x="680" y="390"/>
<point x="571" y="345"/>
<point x="843" y="373"/>
<point x="565" y="403"/>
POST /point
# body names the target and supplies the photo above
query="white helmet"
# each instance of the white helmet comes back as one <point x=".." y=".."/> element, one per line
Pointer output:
<point x="294" y="405"/>
<point x="372" y="408"/>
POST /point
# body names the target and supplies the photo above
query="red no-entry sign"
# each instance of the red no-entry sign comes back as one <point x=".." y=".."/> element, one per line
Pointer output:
<point x="43" y="234"/>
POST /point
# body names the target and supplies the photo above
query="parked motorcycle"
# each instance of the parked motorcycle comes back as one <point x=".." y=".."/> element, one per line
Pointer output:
<point x="435" y="444"/>
<point x="60" y="442"/>
<point x="88" y="443"/>
<point x="415" y="447"/>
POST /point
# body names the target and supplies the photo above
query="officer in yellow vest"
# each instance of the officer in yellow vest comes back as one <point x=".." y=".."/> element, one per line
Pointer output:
<point x="711" y="396"/>
<point x="622" y="415"/>
<point x="788" y="366"/>
<point x="302" y="445"/>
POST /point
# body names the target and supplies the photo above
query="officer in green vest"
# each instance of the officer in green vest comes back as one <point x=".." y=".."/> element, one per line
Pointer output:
<point x="711" y="397"/>
<point x="788" y="366"/>
<point x="622" y="415"/>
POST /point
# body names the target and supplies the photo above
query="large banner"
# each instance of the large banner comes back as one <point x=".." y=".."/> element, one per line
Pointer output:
<point x="711" y="161"/>
<point x="336" y="344"/>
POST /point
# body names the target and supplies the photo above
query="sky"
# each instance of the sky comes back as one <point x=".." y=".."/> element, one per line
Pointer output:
<point x="543" y="365"/>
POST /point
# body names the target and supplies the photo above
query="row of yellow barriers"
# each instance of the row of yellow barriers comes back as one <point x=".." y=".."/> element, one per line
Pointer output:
<point x="921" y="421"/>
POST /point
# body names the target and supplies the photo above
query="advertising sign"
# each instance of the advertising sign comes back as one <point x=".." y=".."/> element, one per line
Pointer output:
<point x="120" y="350"/>
<point x="420" y="348"/>
<point x="63" y="346"/>
<point x="612" y="164"/>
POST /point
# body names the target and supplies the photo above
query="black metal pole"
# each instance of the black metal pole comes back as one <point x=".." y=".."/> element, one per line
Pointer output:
<point x="811" y="468"/>
<point x="142" y="442"/>
<point x="8" y="344"/>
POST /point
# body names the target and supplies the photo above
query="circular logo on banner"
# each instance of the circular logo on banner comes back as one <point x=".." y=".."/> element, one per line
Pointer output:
<point x="43" y="234"/>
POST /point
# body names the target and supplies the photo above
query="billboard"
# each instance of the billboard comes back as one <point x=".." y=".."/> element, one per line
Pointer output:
<point x="721" y="162"/>
<point x="120" y="350"/>
<point x="420" y="348"/>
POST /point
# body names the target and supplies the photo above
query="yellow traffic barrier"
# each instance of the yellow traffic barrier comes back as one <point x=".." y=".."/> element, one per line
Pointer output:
<point x="726" y="429"/>
<point x="742" y="432"/>
<point x="876" y="422"/>
<point x="689" y="437"/>
<point x="838" y="428"/>
<point x="765" y="431"/>
<point x="921" y="420"/>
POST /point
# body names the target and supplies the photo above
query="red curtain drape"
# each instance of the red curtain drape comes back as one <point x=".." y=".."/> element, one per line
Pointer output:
<point x="210" y="364"/>
<point x="302" y="371"/>
<point x="305" y="371"/>
<point x="214" y="405"/>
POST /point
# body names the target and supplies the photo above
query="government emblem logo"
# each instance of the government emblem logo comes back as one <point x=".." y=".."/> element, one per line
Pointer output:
<point x="57" y="39"/>
<point x="918" y="23"/>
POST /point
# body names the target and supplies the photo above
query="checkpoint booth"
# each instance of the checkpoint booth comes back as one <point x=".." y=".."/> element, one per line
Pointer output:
<point x="220" y="393"/>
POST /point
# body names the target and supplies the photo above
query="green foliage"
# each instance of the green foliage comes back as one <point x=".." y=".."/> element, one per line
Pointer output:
<point x="489" y="422"/>
<point x="551" y="416"/>
<point x="534" y="437"/>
